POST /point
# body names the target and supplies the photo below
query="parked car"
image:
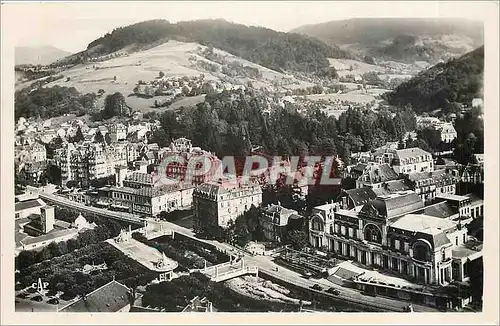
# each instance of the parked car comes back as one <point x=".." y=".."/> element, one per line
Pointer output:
<point x="316" y="287"/>
<point x="333" y="291"/>
<point x="37" y="298"/>
<point x="306" y="275"/>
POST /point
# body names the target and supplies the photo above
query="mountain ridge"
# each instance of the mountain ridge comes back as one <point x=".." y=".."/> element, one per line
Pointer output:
<point x="274" y="50"/>
<point x="444" y="85"/>
<point x="43" y="54"/>
<point x="426" y="39"/>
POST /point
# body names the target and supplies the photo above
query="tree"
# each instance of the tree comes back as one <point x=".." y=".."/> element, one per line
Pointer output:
<point x="101" y="92"/>
<point x="52" y="174"/>
<point x="297" y="239"/>
<point x="78" y="136"/>
<point x="99" y="138"/>
<point x="161" y="74"/>
<point x="114" y="105"/>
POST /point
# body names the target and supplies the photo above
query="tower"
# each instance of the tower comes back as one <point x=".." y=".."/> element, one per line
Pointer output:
<point x="47" y="218"/>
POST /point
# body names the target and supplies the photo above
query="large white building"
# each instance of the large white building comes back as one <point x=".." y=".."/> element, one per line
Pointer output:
<point x="216" y="204"/>
<point x="405" y="161"/>
<point x="393" y="233"/>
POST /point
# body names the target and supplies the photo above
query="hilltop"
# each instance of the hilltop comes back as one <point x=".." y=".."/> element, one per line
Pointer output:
<point x="38" y="55"/>
<point x="456" y="81"/>
<point x="400" y="39"/>
<point x="175" y="60"/>
<point x="268" y="48"/>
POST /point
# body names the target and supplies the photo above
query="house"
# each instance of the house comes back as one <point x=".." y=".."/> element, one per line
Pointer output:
<point x="26" y="208"/>
<point x="430" y="184"/>
<point x="111" y="297"/>
<point x="405" y="161"/>
<point x="276" y="220"/>
<point x="375" y="175"/>
<point x="448" y="132"/>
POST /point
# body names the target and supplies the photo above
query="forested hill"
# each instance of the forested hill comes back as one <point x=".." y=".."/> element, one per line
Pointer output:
<point x="266" y="47"/>
<point x="443" y="85"/>
<point x="401" y="39"/>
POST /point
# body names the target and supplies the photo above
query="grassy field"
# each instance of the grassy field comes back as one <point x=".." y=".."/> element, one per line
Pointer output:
<point x="358" y="68"/>
<point x="174" y="59"/>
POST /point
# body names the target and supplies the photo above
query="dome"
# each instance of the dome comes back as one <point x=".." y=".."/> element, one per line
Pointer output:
<point x="81" y="221"/>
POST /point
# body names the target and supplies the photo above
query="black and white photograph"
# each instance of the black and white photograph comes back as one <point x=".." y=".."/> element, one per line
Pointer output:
<point x="295" y="158"/>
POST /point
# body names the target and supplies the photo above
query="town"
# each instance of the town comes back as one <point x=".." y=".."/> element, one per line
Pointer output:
<point x="365" y="198"/>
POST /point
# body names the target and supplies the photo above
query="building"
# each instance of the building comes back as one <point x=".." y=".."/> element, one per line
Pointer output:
<point x="187" y="161"/>
<point x="39" y="230"/>
<point x="30" y="153"/>
<point x="276" y="220"/>
<point x="117" y="132"/>
<point x="428" y="185"/>
<point x="448" y="132"/>
<point x="26" y="208"/>
<point x="111" y="297"/>
<point x="355" y="199"/>
<point x="405" y="161"/>
<point x="375" y="175"/>
<point x="218" y="203"/>
<point x="90" y="161"/>
<point x="392" y="233"/>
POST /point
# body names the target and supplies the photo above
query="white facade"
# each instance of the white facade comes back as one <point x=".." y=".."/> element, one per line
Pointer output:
<point x="220" y="203"/>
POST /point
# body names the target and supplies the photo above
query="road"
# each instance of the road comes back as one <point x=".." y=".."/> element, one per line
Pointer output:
<point x="264" y="263"/>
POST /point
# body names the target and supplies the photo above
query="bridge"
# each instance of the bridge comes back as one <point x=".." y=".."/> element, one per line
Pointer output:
<point x="229" y="270"/>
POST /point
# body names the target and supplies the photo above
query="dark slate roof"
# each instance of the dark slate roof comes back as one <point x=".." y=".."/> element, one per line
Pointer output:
<point x="441" y="210"/>
<point x="27" y="204"/>
<point x="361" y="196"/>
<point x="393" y="186"/>
<point x="359" y="167"/>
<point x="378" y="173"/>
<point x="395" y="205"/>
<point x="110" y="297"/>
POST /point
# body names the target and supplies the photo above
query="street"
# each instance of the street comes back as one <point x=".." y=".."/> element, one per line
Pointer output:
<point x="264" y="263"/>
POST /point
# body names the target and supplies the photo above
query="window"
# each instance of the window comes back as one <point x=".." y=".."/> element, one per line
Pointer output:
<point x="396" y="244"/>
<point x="456" y="241"/>
<point x="342" y="230"/>
<point x="443" y="255"/>
<point x="406" y="247"/>
<point x="351" y="232"/>
<point x="337" y="228"/>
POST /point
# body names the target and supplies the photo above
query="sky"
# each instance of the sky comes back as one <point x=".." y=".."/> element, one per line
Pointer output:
<point x="71" y="26"/>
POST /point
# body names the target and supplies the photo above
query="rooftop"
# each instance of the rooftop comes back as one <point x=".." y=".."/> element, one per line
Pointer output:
<point x="441" y="210"/>
<point x="410" y="152"/>
<point x="423" y="223"/>
<point x="111" y="297"/>
<point x="471" y="249"/>
<point x="378" y="173"/>
<point x="361" y="196"/>
<point x="32" y="203"/>
<point x="452" y="197"/>
<point x="394" y="205"/>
